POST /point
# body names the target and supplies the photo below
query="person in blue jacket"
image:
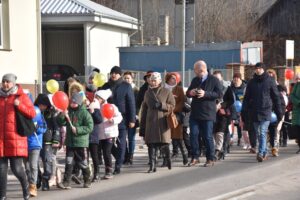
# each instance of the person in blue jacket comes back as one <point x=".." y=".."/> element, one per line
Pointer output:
<point x="35" y="144"/>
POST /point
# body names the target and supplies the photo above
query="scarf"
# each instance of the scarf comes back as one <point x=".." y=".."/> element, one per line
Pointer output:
<point x="169" y="87"/>
<point x="11" y="91"/>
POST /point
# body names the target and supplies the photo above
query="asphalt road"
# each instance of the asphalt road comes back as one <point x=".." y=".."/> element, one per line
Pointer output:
<point x="239" y="176"/>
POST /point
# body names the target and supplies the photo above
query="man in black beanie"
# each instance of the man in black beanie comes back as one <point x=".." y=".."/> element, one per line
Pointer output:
<point x="260" y="98"/>
<point x="123" y="98"/>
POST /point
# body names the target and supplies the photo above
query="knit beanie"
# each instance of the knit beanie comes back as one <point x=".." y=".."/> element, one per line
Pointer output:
<point x="116" y="70"/>
<point x="77" y="98"/>
<point x="104" y="94"/>
<point x="10" y="78"/>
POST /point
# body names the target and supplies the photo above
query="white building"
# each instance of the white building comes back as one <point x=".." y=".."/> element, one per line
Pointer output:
<point x="84" y="34"/>
<point x="20" y="47"/>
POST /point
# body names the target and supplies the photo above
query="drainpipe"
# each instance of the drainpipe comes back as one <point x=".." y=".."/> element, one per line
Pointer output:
<point x="39" y="82"/>
<point x="88" y="48"/>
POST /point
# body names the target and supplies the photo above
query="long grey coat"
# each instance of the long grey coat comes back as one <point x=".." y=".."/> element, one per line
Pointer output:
<point x="154" y="124"/>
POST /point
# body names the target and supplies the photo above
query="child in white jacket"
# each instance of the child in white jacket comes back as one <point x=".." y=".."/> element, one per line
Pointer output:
<point x="107" y="130"/>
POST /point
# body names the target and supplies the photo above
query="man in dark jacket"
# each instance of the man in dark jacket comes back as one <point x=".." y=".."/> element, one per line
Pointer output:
<point x="123" y="98"/>
<point x="261" y="94"/>
<point x="205" y="89"/>
<point x="143" y="89"/>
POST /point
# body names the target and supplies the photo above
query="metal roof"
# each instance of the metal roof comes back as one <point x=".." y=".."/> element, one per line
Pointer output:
<point x="80" y="7"/>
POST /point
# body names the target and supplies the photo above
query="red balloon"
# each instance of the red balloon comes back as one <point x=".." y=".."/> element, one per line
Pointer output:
<point x="289" y="74"/>
<point x="60" y="100"/>
<point x="108" y="111"/>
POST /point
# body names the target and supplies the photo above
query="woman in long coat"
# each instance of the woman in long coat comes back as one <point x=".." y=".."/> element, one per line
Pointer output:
<point x="13" y="146"/>
<point x="158" y="104"/>
<point x="177" y="133"/>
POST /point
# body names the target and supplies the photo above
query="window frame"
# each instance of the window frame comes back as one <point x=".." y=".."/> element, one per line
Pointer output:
<point x="1" y="26"/>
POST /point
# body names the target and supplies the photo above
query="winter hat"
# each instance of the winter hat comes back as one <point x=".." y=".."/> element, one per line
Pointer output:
<point x="43" y="99"/>
<point x="116" y="70"/>
<point x="104" y="94"/>
<point x="155" y="76"/>
<point x="92" y="74"/>
<point x="10" y="78"/>
<point x="77" y="98"/>
<point x="260" y="65"/>
<point x="169" y="76"/>
<point x="148" y="74"/>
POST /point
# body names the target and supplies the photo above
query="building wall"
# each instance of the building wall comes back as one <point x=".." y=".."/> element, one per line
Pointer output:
<point x="104" y="43"/>
<point x="22" y="56"/>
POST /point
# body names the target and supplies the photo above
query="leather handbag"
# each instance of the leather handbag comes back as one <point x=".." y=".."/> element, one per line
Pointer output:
<point x="172" y="120"/>
<point x="25" y="126"/>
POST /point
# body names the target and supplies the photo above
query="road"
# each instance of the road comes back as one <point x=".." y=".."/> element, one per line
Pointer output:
<point x="239" y="176"/>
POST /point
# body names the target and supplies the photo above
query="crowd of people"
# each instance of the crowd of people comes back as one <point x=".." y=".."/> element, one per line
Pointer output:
<point x="207" y="114"/>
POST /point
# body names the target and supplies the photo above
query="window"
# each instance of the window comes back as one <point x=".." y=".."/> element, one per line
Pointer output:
<point x="4" y="24"/>
<point x="1" y="43"/>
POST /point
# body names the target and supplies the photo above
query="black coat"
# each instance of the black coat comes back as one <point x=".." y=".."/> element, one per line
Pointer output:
<point x="123" y="98"/>
<point x="141" y="94"/>
<point x="205" y="108"/>
<point x="261" y="94"/>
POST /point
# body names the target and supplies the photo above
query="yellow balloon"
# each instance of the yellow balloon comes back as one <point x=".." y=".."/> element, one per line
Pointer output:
<point x="52" y="86"/>
<point x="99" y="80"/>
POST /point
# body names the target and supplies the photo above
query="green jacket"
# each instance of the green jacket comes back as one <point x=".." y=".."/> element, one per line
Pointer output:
<point x="295" y="97"/>
<point x="84" y="124"/>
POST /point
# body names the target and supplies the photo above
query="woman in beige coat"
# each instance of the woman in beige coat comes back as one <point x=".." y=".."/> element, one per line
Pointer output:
<point x="158" y="104"/>
<point x="177" y="133"/>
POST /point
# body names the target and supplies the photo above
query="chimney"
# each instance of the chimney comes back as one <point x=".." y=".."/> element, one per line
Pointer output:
<point x="163" y="29"/>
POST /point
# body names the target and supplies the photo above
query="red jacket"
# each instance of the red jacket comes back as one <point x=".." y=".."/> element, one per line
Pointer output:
<point x="11" y="143"/>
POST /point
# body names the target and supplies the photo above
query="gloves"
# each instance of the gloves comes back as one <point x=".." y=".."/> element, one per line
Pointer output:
<point x="157" y="105"/>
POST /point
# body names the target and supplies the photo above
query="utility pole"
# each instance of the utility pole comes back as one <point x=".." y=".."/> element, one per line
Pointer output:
<point x="183" y="43"/>
<point x="141" y="23"/>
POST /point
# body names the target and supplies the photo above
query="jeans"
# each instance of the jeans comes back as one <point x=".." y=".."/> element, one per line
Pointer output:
<point x="131" y="140"/>
<point x="261" y="129"/>
<point x="120" y="150"/>
<point x="47" y="157"/>
<point x="16" y="165"/>
<point x="204" y="129"/>
<point x="32" y="165"/>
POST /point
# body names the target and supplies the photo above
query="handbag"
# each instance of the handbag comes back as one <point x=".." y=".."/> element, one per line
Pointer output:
<point x="293" y="131"/>
<point x="172" y="120"/>
<point x="25" y="126"/>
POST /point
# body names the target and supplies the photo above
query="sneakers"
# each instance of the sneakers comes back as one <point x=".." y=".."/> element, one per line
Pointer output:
<point x="87" y="184"/>
<point x="32" y="190"/>
<point x="52" y="181"/>
<point x="194" y="162"/>
<point x="108" y="176"/>
<point x="261" y="158"/>
<point x="64" y="185"/>
<point x="76" y="179"/>
<point x="275" y="152"/>
<point x="209" y="163"/>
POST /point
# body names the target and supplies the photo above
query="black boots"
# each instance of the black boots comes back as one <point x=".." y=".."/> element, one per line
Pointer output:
<point x="152" y="153"/>
<point x="26" y="194"/>
<point x="45" y="184"/>
<point x="96" y="177"/>
<point x="128" y="159"/>
<point x="86" y="177"/>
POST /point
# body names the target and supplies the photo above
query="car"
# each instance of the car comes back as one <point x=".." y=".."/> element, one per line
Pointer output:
<point x="58" y="72"/>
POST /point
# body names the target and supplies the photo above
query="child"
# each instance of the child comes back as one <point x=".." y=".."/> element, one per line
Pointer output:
<point x="107" y="131"/>
<point x="35" y="144"/>
<point x="79" y="124"/>
<point x="94" y="109"/>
